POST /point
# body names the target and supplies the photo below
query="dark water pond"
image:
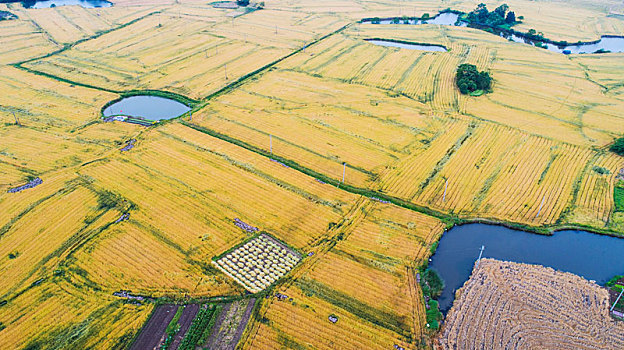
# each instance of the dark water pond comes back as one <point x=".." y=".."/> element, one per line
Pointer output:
<point x="595" y="257"/>
<point x="420" y="47"/>
<point x="606" y="43"/>
<point x="55" y="3"/>
<point x="147" y="107"/>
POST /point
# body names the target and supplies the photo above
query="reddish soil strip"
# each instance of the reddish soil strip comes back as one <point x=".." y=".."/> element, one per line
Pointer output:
<point x="152" y="332"/>
<point x="230" y="325"/>
<point x="188" y="315"/>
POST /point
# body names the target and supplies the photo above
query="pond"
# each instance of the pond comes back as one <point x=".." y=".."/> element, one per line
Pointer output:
<point x="444" y="19"/>
<point x="592" y="256"/>
<point x="54" y="3"/>
<point x="147" y="107"/>
<point x="606" y="43"/>
<point x="405" y="45"/>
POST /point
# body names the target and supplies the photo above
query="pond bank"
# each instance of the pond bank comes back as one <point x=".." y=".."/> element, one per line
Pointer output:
<point x="594" y="257"/>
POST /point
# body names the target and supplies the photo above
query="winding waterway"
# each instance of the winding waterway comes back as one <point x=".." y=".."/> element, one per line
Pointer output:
<point x="605" y="44"/>
<point x="592" y="256"/>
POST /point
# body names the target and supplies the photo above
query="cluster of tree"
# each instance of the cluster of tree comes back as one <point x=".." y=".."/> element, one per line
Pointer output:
<point x="618" y="146"/>
<point x="242" y="2"/>
<point x="469" y="79"/>
<point x="499" y="17"/>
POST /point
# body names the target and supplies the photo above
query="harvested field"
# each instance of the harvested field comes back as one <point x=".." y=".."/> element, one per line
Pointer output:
<point x="230" y="325"/>
<point x="364" y="275"/>
<point x="521" y="306"/>
<point x="153" y="331"/>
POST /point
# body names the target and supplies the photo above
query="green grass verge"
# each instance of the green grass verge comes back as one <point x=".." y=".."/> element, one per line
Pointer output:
<point x="618" y="197"/>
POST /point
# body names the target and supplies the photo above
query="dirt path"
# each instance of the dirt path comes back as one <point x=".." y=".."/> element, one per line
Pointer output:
<point x="153" y="331"/>
<point x="230" y="325"/>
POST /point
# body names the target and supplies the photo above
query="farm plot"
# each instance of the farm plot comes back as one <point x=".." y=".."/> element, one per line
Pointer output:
<point x="21" y="40"/>
<point x="393" y="145"/>
<point x="506" y="304"/>
<point x="179" y="235"/>
<point x="535" y="90"/>
<point x="321" y="123"/>
<point x="476" y="171"/>
<point x="258" y="263"/>
<point x="59" y="314"/>
<point x="594" y="193"/>
<point x="364" y="278"/>
<point x="192" y="55"/>
<point x="153" y="331"/>
<point x="45" y="103"/>
<point x="230" y="324"/>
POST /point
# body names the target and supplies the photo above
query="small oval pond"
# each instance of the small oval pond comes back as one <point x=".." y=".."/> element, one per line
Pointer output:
<point x="405" y="45"/>
<point x="592" y="256"/>
<point x="54" y="3"/>
<point x="147" y="107"/>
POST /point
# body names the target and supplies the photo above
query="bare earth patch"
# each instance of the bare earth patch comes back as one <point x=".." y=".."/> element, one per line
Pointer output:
<point x="506" y="305"/>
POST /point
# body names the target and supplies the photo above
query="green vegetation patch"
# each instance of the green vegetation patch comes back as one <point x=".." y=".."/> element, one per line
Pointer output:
<point x="433" y="314"/>
<point x="501" y="17"/>
<point x="618" y="196"/>
<point x="470" y="80"/>
<point x="201" y="325"/>
<point x="173" y="328"/>
<point x="618" y="146"/>
<point x="431" y="283"/>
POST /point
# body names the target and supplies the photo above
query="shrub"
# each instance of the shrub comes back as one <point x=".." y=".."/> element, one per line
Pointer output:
<point x="433" y="315"/>
<point x="433" y="283"/>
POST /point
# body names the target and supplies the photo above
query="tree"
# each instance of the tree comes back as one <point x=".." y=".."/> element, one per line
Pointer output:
<point x="484" y="81"/>
<point x="618" y="146"/>
<point x="502" y="10"/>
<point x="425" y="16"/>
<point x="511" y="18"/>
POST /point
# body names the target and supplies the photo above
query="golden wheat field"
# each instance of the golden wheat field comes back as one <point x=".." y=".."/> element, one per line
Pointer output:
<point x="357" y="157"/>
